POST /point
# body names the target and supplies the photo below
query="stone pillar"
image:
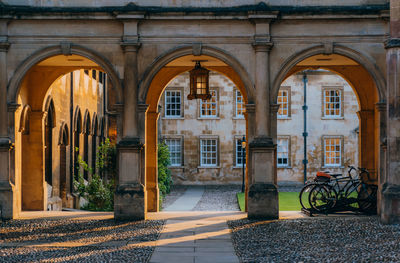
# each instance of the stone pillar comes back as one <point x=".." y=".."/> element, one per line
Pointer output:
<point x="381" y="160"/>
<point x="263" y="193"/>
<point x="390" y="204"/>
<point x="6" y="192"/>
<point x="151" y="162"/>
<point x="366" y="146"/>
<point x="130" y="195"/>
<point x="250" y="133"/>
<point x="274" y="134"/>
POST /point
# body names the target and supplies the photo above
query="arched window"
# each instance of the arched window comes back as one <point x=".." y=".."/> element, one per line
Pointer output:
<point x="94" y="142"/>
<point x="63" y="142"/>
<point x="86" y="132"/>
<point x="77" y="132"/>
<point x="49" y="125"/>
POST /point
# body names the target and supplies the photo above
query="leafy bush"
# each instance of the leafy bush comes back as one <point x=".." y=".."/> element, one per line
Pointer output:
<point x="164" y="174"/>
<point x="99" y="193"/>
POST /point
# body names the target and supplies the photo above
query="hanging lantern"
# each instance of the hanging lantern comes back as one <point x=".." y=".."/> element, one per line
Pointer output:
<point x="199" y="83"/>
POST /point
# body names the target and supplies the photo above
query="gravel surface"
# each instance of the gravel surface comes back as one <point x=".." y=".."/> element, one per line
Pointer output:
<point x="218" y="198"/>
<point x="109" y="237"/>
<point x="176" y="192"/>
<point x="335" y="239"/>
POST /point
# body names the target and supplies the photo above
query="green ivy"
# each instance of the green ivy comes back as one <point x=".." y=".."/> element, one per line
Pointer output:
<point x="98" y="192"/>
<point x="164" y="174"/>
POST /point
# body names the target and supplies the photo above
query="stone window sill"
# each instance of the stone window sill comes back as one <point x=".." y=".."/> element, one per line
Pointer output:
<point x="284" y="167"/>
<point x="208" y="167"/>
<point x="208" y="118"/>
<point x="332" y="118"/>
<point x="173" y="118"/>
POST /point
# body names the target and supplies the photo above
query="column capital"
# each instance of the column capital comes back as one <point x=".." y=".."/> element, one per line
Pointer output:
<point x="365" y="114"/>
<point x="274" y="108"/>
<point x="392" y="43"/>
<point x="250" y="108"/>
<point x="118" y="108"/>
<point x="130" y="44"/>
<point x="4" y="46"/>
<point x="142" y="107"/>
<point x="380" y="106"/>
<point x="12" y="107"/>
<point x="261" y="45"/>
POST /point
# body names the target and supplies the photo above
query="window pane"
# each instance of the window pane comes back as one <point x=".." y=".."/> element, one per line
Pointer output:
<point x="208" y="155"/>
<point x="283" y="101"/>
<point x="333" y="151"/>
<point x="209" y="107"/>
<point x="172" y="103"/>
<point x="174" y="147"/>
<point x="283" y="152"/>
<point x="332" y="102"/>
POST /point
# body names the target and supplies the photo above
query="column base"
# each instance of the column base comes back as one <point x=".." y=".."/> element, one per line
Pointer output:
<point x="153" y="199"/>
<point x="130" y="202"/>
<point x="390" y="204"/>
<point x="6" y="201"/>
<point x="263" y="201"/>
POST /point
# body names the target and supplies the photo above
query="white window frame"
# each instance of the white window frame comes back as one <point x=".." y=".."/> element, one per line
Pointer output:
<point x="282" y="106"/>
<point x="279" y="151"/>
<point x="214" y="101"/>
<point x="333" y="151"/>
<point x="177" y="149"/>
<point x="166" y="115"/>
<point x="238" y="151"/>
<point x="214" y="160"/>
<point x="326" y="105"/>
<point x="239" y="100"/>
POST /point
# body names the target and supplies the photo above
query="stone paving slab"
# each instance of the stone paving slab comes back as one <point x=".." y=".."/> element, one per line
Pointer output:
<point x="195" y="237"/>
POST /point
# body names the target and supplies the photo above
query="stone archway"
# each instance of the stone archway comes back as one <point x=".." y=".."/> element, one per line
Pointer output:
<point x="368" y="85"/>
<point x="41" y="70"/>
<point x="158" y="76"/>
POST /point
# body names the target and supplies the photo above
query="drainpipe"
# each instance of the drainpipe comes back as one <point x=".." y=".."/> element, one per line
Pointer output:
<point x="305" y="133"/>
<point x="71" y="144"/>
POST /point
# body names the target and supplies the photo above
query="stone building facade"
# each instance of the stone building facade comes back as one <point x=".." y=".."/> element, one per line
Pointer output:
<point x="73" y="118"/>
<point x="332" y="126"/>
<point x="187" y="125"/>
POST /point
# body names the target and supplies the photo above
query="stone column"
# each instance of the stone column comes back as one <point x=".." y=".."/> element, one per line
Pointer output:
<point x="263" y="193"/>
<point x="130" y="195"/>
<point x="381" y="160"/>
<point x="274" y="134"/>
<point x="6" y="193"/>
<point x="366" y="146"/>
<point x="390" y="205"/>
<point x="151" y="161"/>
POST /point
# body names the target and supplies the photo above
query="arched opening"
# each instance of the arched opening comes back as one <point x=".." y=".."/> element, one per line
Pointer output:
<point x="169" y="67"/>
<point x="39" y="164"/>
<point x="48" y="143"/>
<point x="94" y="142"/>
<point x="86" y="132"/>
<point x="63" y="143"/>
<point x="77" y="148"/>
<point x="338" y="108"/>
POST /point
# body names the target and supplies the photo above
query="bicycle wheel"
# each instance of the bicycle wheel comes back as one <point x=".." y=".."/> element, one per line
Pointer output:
<point x="367" y="196"/>
<point x="304" y="196"/>
<point x="321" y="199"/>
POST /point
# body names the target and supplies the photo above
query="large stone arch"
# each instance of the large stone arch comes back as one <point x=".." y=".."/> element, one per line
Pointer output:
<point x="155" y="79"/>
<point x="372" y="101"/>
<point x="360" y="58"/>
<point x="172" y="54"/>
<point x="14" y="84"/>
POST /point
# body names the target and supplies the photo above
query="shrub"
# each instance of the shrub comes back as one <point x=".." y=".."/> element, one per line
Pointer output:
<point x="164" y="174"/>
<point x="98" y="192"/>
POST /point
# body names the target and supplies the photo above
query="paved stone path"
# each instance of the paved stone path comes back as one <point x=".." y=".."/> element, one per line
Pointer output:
<point x="195" y="237"/>
<point x="188" y="200"/>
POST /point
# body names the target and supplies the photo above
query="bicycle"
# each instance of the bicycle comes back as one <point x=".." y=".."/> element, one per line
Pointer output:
<point x="335" y="192"/>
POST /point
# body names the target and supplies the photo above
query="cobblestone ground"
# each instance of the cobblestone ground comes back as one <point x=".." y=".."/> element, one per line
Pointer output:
<point x="328" y="239"/>
<point x="66" y="240"/>
<point x="218" y="198"/>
